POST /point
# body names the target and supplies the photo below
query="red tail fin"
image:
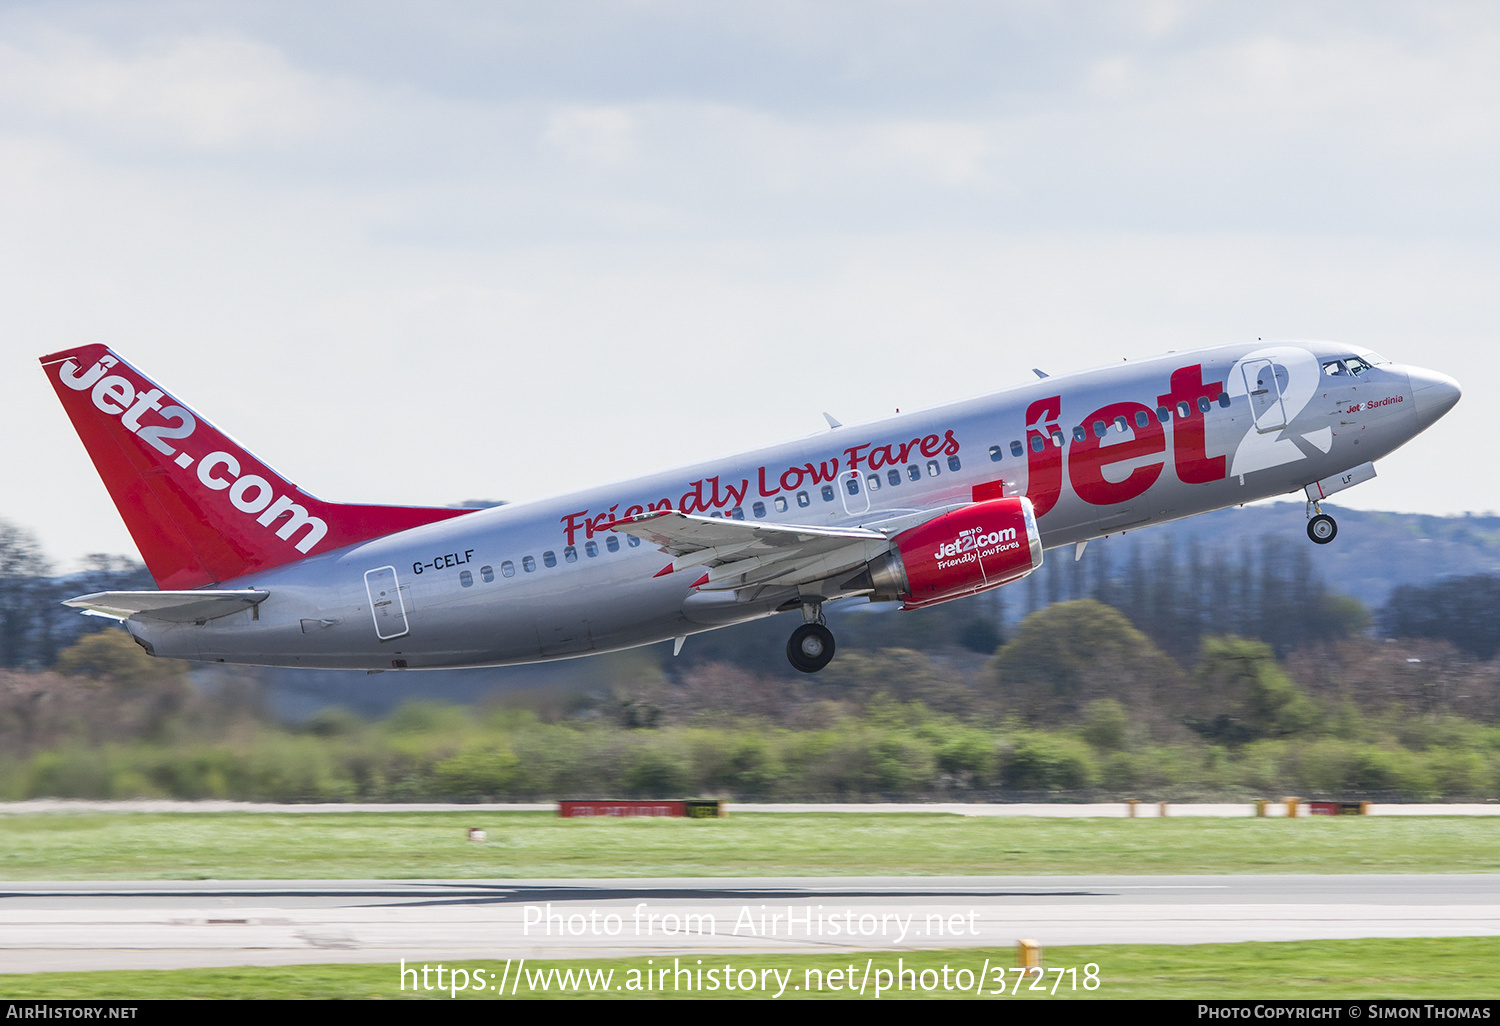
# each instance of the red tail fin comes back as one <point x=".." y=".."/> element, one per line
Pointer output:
<point x="200" y="507"/>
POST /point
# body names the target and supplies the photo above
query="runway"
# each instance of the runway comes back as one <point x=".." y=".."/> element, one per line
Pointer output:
<point x="1048" y="810"/>
<point x="169" y="924"/>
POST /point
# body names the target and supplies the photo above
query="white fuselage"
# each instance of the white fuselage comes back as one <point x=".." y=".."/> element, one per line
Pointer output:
<point x="548" y="579"/>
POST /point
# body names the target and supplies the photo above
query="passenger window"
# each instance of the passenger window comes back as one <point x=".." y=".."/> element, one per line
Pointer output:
<point x="914" y="472"/>
<point x="1203" y="404"/>
<point x="1016" y="450"/>
<point x="570" y="554"/>
<point x="759" y="509"/>
<point x="549" y="557"/>
<point x="1079" y="434"/>
<point x="851" y="485"/>
<point x="1057" y="438"/>
<point x="781" y="503"/>
<point x="632" y="541"/>
<point x="893" y="476"/>
<point x="874" y="480"/>
<point x="803" y="499"/>
<point x="1163" y="414"/>
<point x="1100" y="429"/>
<point x="953" y="463"/>
<point x="487" y="574"/>
<point x="716" y="514"/>
<point x="1184" y="410"/>
<point x="1224" y="400"/>
<point x="612" y="542"/>
<point x="738" y="513"/>
<point x="528" y="564"/>
<point x="591" y="549"/>
<point x="996" y="454"/>
<point x="508" y="569"/>
<point x="1037" y="445"/>
<point x="466" y="579"/>
<point x="932" y="468"/>
<point x="828" y="493"/>
<point x="1142" y="418"/>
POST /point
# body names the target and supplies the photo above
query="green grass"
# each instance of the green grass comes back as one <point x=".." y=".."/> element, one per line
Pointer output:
<point x="1452" y="968"/>
<point x="185" y="846"/>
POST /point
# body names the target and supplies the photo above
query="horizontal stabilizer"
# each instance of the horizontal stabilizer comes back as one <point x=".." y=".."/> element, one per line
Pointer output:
<point x="172" y="606"/>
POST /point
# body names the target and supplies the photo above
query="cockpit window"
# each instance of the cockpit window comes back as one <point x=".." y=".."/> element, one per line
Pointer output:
<point x="1356" y="365"/>
<point x="1333" y="369"/>
<point x="1375" y="359"/>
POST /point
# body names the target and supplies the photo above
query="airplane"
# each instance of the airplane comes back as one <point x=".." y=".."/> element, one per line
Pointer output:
<point x="919" y="508"/>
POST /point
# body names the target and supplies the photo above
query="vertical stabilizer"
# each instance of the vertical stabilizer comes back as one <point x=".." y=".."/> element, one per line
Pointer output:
<point x="201" y="508"/>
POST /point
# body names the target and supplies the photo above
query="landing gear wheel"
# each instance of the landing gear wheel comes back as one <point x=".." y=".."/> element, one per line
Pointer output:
<point x="810" y="647"/>
<point x="1322" y="529"/>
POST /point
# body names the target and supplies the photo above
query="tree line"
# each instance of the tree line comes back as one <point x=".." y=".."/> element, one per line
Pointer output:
<point x="1079" y="702"/>
<point x="1464" y="611"/>
<point x="34" y="624"/>
<point x="1176" y="593"/>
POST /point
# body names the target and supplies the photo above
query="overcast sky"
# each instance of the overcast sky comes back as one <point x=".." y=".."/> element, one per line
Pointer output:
<point x="427" y="252"/>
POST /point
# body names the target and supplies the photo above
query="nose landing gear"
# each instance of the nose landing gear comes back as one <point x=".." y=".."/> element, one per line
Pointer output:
<point x="1321" y="527"/>
<point x="811" y="645"/>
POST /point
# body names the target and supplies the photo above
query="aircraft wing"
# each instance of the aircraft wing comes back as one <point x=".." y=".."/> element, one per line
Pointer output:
<point x="172" y="606"/>
<point x="742" y="555"/>
<point x="684" y="533"/>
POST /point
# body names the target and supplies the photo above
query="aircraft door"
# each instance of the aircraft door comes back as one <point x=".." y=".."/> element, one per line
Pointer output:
<point x="854" y="492"/>
<point x="386" y="604"/>
<point x="1264" y="386"/>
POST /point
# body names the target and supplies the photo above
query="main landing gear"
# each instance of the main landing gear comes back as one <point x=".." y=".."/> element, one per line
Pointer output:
<point x="1321" y="527"/>
<point x="811" y="645"/>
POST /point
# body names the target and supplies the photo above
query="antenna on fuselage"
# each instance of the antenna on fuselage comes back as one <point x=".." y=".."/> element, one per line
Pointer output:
<point x="832" y="423"/>
<point x="1039" y="373"/>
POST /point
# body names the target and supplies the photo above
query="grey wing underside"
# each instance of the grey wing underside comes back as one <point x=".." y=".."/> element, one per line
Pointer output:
<point x="747" y="558"/>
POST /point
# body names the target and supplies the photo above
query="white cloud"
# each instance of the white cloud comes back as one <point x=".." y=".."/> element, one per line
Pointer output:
<point x="944" y="153"/>
<point x="596" y="135"/>
<point x="196" y="92"/>
<point x="294" y="227"/>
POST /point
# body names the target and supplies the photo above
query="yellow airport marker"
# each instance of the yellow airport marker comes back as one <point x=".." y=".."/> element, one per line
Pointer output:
<point x="1029" y="954"/>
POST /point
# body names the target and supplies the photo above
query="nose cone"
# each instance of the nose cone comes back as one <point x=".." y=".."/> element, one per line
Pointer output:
<point x="1433" y="395"/>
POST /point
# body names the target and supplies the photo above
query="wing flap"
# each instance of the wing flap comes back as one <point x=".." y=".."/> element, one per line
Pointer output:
<point x="171" y="606"/>
<point x="742" y="555"/>
<point x="786" y="572"/>
<point x="685" y="534"/>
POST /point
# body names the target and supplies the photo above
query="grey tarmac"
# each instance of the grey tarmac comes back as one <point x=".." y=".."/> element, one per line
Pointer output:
<point x="87" y="926"/>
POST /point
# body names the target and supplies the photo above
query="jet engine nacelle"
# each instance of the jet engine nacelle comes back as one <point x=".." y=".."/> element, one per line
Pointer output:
<point x="969" y="550"/>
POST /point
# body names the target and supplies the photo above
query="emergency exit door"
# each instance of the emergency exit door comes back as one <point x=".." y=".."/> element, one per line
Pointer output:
<point x="854" y="493"/>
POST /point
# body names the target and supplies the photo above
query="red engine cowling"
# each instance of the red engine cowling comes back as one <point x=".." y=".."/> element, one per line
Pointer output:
<point x="969" y="550"/>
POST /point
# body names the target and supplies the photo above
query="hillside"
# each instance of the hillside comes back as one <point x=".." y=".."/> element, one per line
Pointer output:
<point x="1373" y="553"/>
